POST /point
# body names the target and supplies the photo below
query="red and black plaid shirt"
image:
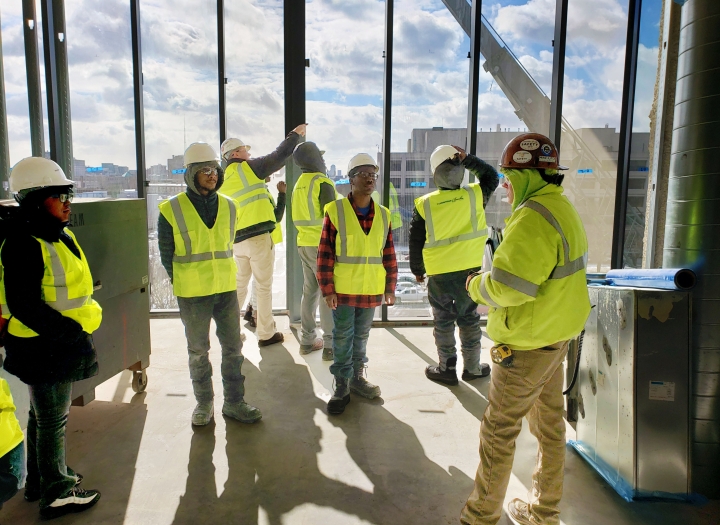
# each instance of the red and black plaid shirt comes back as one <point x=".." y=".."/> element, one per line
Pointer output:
<point x="326" y="261"/>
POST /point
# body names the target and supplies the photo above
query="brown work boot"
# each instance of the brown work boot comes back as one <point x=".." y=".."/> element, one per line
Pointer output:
<point x="276" y="338"/>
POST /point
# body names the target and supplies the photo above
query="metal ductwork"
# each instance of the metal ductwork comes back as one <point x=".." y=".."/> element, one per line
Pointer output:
<point x="693" y="219"/>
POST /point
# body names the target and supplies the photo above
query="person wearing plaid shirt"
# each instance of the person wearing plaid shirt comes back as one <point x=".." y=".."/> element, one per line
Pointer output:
<point x="356" y="269"/>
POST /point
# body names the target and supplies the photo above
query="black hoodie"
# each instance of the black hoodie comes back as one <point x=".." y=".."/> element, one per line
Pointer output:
<point x="62" y="351"/>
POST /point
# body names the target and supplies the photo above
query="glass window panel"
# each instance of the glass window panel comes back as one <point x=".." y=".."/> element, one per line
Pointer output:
<point x="254" y="54"/>
<point x="181" y="107"/>
<point x="594" y="69"/>
<point x="16" y="90"/>
<point x="430" y="93"/>
<point x="101" y="99"/>
<point x="647" y="71"/>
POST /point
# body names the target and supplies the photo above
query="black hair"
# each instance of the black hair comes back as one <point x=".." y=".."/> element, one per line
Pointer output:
<point x="556" y="179"/>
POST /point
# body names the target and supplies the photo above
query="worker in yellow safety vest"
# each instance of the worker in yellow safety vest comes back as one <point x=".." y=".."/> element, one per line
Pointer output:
<point x="395" y="215"/>
<point x="195" y="235"/>
<point x="254" y="249"/>
<point x="46" y="295"/>
<point x="447" y="241"/>
<point x="312" y="193"/>
<point x="356" y="269"/>
<point x="12" y="446"/>
<point x="539" y="301"/>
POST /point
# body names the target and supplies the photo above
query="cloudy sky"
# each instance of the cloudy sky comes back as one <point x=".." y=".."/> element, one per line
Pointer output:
<point x="344" y="82"/>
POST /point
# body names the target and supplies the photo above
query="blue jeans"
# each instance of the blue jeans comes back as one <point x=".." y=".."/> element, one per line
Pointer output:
<point x="46" y="468"/>
<point x="451" y="304"/>
<point x="350" y="335"/>
<point x="196" y="313"/>
<point x="12" y="473"/>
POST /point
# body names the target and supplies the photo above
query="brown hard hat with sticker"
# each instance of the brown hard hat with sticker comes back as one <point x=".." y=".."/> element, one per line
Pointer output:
<point x="531" y="150"/>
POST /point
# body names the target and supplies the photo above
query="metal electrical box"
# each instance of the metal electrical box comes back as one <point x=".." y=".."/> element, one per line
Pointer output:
<point x="113" y="235"/>
<point x="632" y="396"/>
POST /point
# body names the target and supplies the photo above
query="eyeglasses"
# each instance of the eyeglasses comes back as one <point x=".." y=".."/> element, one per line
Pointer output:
<point x="367" y="175"/>
<point x="64" y="197"/>
<point x="208" y="171"/>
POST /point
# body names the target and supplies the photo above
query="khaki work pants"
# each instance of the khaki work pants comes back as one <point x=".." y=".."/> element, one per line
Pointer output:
<point x="256" y="257"/>
<point x="531" y="388"/>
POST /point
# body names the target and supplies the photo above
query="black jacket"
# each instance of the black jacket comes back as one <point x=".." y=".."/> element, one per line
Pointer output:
<point x="61" y="352"/>
<point x="263" y="167"/>
<point x="488" y="179"/>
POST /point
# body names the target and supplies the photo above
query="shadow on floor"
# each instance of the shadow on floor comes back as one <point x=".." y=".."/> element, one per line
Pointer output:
<point x="103" y="443"/>
<point x="274" y="465"/>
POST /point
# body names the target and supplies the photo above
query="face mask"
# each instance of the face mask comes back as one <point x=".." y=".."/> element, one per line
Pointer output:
<point x="449" y="175"/>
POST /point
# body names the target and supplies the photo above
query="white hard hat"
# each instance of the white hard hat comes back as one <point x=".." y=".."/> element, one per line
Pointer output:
<point x="440" y="155"/>
<point x="199" y="152"/>
<point x="37" y="172"/>
<point x="230" y="145"/>
<point x="361" y="159"/>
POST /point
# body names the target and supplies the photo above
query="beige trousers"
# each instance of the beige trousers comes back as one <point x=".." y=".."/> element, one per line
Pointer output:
<point x="256" y="257"/>
<point x="531" y="388"/>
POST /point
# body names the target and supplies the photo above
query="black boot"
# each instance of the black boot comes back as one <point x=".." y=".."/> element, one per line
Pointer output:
<point x="340" y="398"/>
<point x="484" y="372"/>
<point x="447" y="376"/>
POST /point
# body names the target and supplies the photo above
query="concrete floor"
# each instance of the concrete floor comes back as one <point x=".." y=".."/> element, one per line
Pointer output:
<point x="408" y="458"/>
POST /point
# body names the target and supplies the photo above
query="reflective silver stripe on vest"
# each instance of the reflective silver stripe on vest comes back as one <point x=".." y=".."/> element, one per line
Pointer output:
<point x="257" y="197"/>
<point x="342" y="257"/>
<point x="62" y="302"/>
<point x="484" y="293"/>
<point x="430" y="227"/>
<point x="182" y="226"/>
<point x="514" y="282"/>
<point x="569" y="267"/>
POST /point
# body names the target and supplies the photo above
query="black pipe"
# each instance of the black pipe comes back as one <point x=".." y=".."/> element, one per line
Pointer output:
<point x="222" y="80"/>
<point x="558" y="76"/>
<point x="473" y="87"/>
<point x="387" y="111"/>
<point x="138" y="96"/>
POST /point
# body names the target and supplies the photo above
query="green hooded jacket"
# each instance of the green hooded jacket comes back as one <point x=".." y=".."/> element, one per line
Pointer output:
<point x="537" y="287"/>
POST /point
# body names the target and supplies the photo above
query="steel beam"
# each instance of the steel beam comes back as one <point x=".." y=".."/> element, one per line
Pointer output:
<point x="138" y="96"/>
<point x="387" y="112"/>
<point x="476" y="28"/>
<point x="558" y="75"/>
<point x="627" y="109"/>
<point x="32" y="70"/>
<point x="222" y="79"/>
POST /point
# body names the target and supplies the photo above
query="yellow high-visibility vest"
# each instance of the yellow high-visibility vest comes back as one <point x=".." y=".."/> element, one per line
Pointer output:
<point x="455" y="229"/>
<point x="306" y="213"/>
<point x="203" y="262"/>
<point x="10" y="433"/>
<point x="253" y="200"/>
<point x="276" y="235"/>
<point x="358" y="266"/>
<point x="395" y="216"/>
<point x="66" y="286"/>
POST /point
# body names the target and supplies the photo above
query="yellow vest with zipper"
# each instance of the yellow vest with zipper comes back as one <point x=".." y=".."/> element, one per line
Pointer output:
<point x="358" y="266"/>
<point x="306" y="213"/>
<point x="66" y="286"/>
<point x="537" y="286"/>
<point x="455" y="229"/>
<point x="203" y="262"/>
<point x="253" y="200"/>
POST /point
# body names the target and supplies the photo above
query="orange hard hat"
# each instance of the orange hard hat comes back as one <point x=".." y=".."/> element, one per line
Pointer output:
<point x="531" y="150"/>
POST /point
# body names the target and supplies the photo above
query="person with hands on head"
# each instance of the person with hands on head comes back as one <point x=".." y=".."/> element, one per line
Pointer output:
<point x="312" y="193"/>
<point x="46" y="295"/>
<point x="356" y="269"/>
<point x="195" y="234"/>
<point x="447" y="240"/>
<point x="539" y="301"/>
<point x="254" y="248"/>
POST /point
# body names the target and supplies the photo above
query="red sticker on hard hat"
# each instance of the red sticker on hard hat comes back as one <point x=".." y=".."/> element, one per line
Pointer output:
<point x="547" y="159"/>
<point x="530" y="144"/>
<point x="522" y="157"/>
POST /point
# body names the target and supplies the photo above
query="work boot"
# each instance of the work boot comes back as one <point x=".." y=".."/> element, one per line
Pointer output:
<point x="276" y="338"/>
<point x="203" y="413"/>
<point x="360" y="386"/>
<point x="74" y="500"/>
<point x="484" y="371"/>
<point x="248" y="313"/>
<point x="340" y="398"/>
<point x="328" y="354"/>
<point x="520" y="513"/>
<point x="33" y="494"/>
<point x="242" y="412"/>
<point x="306" y="349"/>
<point x="447" y="375"/>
